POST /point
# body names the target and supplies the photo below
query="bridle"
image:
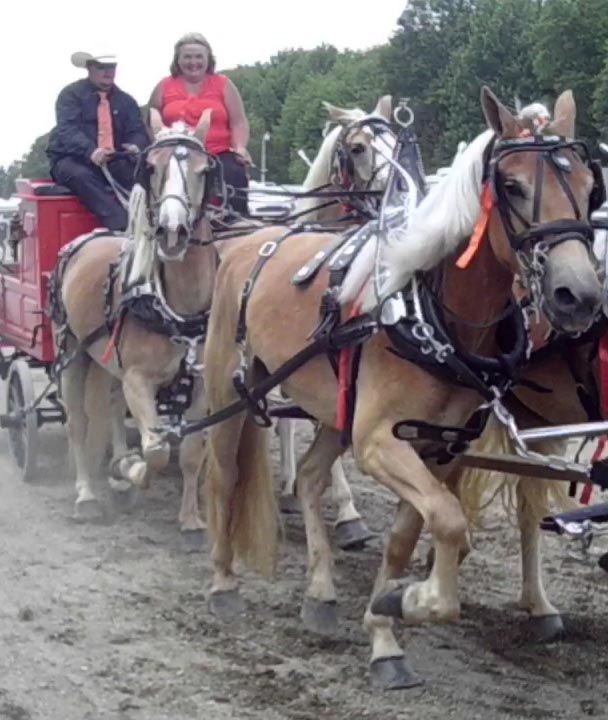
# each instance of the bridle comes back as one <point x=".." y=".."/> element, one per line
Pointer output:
<point x="181" y="145"/>
<point x="533" y="243"/>
<point x="343" y="163"/>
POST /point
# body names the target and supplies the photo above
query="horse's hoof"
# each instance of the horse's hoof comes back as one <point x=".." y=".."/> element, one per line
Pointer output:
<point x="546" y="628"/>
<point x="320" y="617"/>
<point x="352" y="534"/>
<point x="88" y="511"/>
<point x="124" y="497"/>
<point x="193" y="541"/>
<point x="226" y="604"/>
<point x="389" y="603"/>
<point x="392" y="673"/>
<point x="157" y="456"/>
<point x="289" y="505"/>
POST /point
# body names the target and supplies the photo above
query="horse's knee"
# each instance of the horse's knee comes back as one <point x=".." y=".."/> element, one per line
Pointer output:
<point x="446" y="520"/>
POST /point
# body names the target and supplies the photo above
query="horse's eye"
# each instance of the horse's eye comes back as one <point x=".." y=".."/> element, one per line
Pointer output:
<point x="357" y="148"/>
<point x="515" y="189"/>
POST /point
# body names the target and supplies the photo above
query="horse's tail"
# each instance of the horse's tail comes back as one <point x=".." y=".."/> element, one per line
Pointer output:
<point x="477" y="488"/>
<point x="253" y="510"/>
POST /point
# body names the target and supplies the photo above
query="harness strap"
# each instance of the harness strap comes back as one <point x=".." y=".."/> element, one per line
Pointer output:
<point x="352" y="332"/>
<point x="266" y="251"/>
<point x="307" y="273"/>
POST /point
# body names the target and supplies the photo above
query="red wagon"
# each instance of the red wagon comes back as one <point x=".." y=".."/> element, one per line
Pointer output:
<point x="49" y="218"/>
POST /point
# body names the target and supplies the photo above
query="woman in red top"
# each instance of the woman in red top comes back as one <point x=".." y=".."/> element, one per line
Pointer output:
<point x="193" y="87"/>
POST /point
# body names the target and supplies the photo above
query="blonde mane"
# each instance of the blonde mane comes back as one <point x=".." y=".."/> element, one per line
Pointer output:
<point x="442" y="221"/>
<point x="138" y="229"/>
<point x="320" y="171"/>
<point x="444" y="218"/>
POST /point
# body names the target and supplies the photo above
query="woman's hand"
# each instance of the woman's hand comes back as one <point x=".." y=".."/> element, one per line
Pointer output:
<point x="243" y="156"/>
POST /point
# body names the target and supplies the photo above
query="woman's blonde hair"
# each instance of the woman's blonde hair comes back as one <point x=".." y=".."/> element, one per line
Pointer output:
<point x="188" y="39"/>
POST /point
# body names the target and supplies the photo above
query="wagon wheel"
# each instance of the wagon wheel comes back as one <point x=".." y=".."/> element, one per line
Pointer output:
<point x="23" y="436"/>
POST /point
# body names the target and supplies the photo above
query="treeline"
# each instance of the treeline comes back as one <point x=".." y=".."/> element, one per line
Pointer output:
<point x="442" y="53"/>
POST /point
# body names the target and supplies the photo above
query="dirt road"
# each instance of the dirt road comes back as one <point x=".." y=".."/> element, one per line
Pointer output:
<point x="110" y="621"/>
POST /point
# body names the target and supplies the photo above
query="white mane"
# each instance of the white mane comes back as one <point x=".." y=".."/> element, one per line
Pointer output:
<point x="320" y="171"/>
<point x="138" y="228"/>
<point x="444" y="218"/>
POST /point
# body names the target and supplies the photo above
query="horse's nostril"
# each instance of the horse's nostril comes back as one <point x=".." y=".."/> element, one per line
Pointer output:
<point x="584" y="301"/>
<point x="565" y="298"/>
<point x="182" y="234"/>
<point x="161" y="233"/>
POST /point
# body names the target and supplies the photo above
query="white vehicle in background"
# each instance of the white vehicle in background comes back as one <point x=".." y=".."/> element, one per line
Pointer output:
<point x="269" y="204"/>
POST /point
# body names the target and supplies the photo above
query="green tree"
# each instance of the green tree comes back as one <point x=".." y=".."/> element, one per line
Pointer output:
<point x="415" y="63"/>
<point x="570" y="52"/>
<point x="35" y="162"/>
<point x="499" y="53"/>
<point x="3" y="182"/>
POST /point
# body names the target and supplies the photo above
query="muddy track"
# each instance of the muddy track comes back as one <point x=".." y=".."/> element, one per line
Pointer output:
<point x="111" y="621"/>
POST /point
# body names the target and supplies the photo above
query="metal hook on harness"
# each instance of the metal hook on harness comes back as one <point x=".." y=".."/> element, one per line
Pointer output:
<point x="401" y="108"/>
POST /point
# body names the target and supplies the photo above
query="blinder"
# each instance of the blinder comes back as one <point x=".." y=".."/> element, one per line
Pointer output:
<point x="180" y="144"/>
<point x="598" y="193"/>
<point x="548" y="153"/>
<point x="343" y="158"/>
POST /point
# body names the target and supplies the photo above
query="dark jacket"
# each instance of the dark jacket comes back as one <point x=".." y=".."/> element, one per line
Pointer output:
<point x="76" y="131"/>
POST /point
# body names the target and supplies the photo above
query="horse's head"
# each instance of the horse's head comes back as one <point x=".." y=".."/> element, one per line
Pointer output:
<point x="177" y="164"/>
<point x="544" y="188"/>
<point x="362" y="145"/>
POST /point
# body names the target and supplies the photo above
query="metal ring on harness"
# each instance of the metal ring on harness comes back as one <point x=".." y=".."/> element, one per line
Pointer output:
<point x="403" y="107"/>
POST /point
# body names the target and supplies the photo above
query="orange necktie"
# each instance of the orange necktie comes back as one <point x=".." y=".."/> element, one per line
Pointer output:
<point x="105" y="133"/>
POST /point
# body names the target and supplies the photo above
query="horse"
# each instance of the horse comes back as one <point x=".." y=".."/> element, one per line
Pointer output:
<point x="352" y="157"/>
<point x="130" y="317"/>
<point x="532" y="205"/>
<point x="559" y="386"/>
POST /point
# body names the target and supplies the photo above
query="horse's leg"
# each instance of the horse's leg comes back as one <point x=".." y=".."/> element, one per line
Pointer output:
<point x="190" y="462"/>
<point x="286" y="428"/>
<point x="314" y="470"/>
<point x="120" y="446"/>
<point x="241" y="508"/>
<point x="452" y="482"/>
<point x="125" y="464"/>
<point x="140" y="394"/>
<point x="545" y="621"/>
<point x="351" y="532"/>
<point x="97" y="402"/>
<point x="398" y="467"/>
<point x="73" y="382"/>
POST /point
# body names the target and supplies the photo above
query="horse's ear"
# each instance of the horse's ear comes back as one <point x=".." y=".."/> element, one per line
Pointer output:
<point x="156" y="121"/>
<point x="565" y="115"/>
<point x="384" y="107"/>
<point x="203" y="125"/>
<point x="497" y="116"/>
<point x="336" y="114"/>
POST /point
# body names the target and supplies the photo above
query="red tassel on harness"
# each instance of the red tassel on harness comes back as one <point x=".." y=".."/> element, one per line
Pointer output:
<point x="344" y="378"/>
<point x="487" y="203"/>
<point x="112" y="343"/>
<point x="603" y="441"/>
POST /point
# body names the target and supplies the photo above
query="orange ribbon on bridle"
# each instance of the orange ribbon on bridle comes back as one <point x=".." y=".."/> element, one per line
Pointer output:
<point x="487" y="204"/>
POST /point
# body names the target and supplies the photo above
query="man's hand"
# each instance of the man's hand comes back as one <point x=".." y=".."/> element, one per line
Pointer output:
<point x="131" y="148"/>
<point x="100" y="156"/>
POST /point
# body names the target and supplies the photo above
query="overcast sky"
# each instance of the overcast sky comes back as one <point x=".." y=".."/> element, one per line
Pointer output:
<point x="38" y="37"/>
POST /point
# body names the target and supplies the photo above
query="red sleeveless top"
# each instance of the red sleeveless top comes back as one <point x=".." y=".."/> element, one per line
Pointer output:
<point x="178" y="105"/>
